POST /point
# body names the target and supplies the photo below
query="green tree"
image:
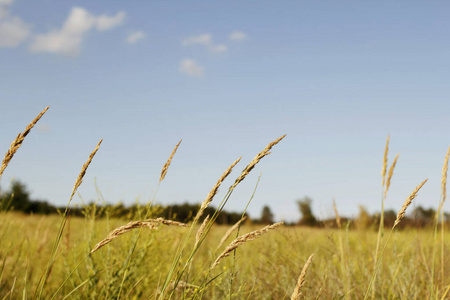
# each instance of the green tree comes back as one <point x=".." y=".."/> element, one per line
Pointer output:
<point x="20" y="196"/>
<point x="266" y="215"/>
<point x="308" y="218"/>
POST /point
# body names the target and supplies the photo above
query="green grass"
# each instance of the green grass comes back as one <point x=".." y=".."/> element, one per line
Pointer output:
<point x="267" y="268"/>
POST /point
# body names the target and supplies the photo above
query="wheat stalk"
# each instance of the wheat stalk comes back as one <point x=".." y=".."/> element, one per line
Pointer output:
<point x="214" y="190"/>
<point x="166" y="222"/>
<point x="301" y="279"/>
<point x="121" y="230"/>
<point x="150" y="223"/>
<point x="242" y="240"/>
<point x="444" y="180"/>
<point x="201" y="230"/>
<point x="83" y="170"/>
<point x="255" y="160"/>
<point x="407" y="202"/>
<point x="18" y="141"/>
<point x="385" y="160"/>
<point x="229" y="231"/>
<point x="167" y="164"/>
<point x="391" y="172"/>
<point x="338" y="219"/>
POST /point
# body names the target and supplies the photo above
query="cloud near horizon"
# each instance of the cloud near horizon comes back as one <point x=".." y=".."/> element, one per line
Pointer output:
<point x="206" y="41"/>
<point x="237" y="35"/>
<point x="13" y="31"/>
<point x="135" y="37"/>
<point x="67" y="40"/>
<point x="191" y="68"/>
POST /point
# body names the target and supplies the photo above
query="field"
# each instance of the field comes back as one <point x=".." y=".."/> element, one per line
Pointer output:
<point x="147" y="257"/>
<point x="265" y="268"/>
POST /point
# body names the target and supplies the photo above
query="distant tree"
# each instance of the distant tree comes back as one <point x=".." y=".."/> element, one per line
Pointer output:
<point x="308" y="217"/>
<point x="389" y="217"/>
<point x="20" y="197"/>
<point x="423" y="217"/>
<point x="266" y="215"/>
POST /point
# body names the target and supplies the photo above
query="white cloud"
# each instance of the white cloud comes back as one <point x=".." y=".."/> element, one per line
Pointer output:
<point x="67" y="40"/>
<point x="106" y="22"/>
<point x="135" y="37"/>
<point x="13" y="30"/>
<point x="203" y="39"/>
<point x="219" y="48"/>
<point x="4" y="7"/>
<point x="237" y="36"/>
<point x="191" y="68"/>
<point x="206" y="41"/>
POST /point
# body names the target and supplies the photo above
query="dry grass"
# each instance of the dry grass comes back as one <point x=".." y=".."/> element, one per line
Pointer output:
<point x="255" y="161"/>
<point x="167" y="164"/>
<point x="230" y="231"/>
<point x="15" y="145"/>
<point x="408" y="201"/>
<point x="301" y="279"/>
<point x="385" y="161"/>
<point x="391" y="172"/>
<point x="242" y="240"/>
<point x="84" y="169"/>
<point x="215" y="189"/>
<point x="173" y="264"/>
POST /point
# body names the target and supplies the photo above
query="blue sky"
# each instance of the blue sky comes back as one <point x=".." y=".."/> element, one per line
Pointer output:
<point x="227" y="78"/>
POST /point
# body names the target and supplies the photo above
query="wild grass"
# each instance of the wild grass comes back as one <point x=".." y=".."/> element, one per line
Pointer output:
<point x="146" y="257"/>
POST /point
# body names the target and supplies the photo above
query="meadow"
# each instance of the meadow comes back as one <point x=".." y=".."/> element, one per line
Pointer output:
<point x="147" y="257"/>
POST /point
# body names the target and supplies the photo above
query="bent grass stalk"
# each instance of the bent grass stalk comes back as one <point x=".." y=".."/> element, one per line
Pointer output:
<point x="440" y="213"/>
<point x="244" y="173"/>
<point x="229" y="232"/>
<point x="386" y="183"/>
<point x="444" y="195"/>
<point x="400" y="215"/>
<point x="40" y="287"/>
<point x="151" y="223"/>
<point x="203" y="206"/>
<point x="164" y="171"/>
<point x="15" y="145"/>
<point x="237" y="235"/>
<point x="242" y="240"/>
<point x="301" y="279"/>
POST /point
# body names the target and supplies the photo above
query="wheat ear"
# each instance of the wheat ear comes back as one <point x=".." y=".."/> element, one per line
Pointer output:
<point x="18" y="141"/>
<point x="83" y="170"/>
<point x="301" y="279"/>
<point x="121" y="230"/>
<point x="201" y="230"/>
<point x="407" y="202"/>
<point x="385" y="160"/>
<point x="167" y="164"/>
<point x="229" y="231"/>
<point x="444" y="179"/>
<point x="255" y="160"/>
<point x="215" y="189"/>
<point x="150" y="223"/>
<point x="242" y="240"/>
<point x="391" y="172"/>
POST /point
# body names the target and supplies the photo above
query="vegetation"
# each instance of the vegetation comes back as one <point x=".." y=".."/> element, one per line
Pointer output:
<point x="121" y="252"/>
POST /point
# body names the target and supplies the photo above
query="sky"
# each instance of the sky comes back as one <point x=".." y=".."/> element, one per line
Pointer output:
<point x="227" y="78"/>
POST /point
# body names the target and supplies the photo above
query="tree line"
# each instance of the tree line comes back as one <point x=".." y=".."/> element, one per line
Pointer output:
<point x="17" y="198"/>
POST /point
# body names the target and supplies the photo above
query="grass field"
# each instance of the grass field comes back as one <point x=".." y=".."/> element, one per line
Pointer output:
<point x="146" y="257"/>
<point x="266" y="268"/>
